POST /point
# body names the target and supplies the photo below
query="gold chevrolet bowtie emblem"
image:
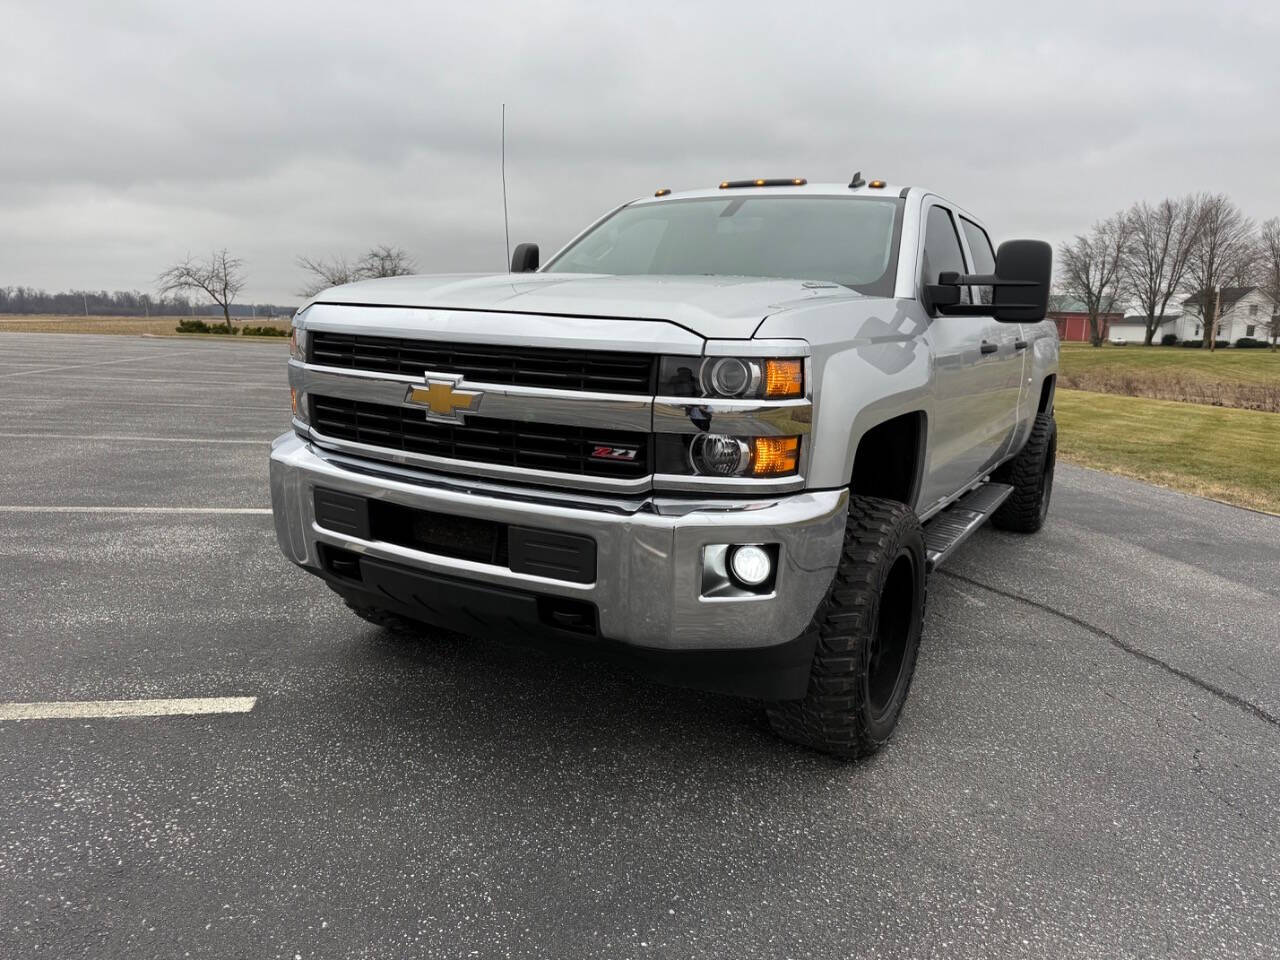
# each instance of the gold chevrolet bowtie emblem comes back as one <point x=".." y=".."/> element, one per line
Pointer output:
<point x="443" y="400"/>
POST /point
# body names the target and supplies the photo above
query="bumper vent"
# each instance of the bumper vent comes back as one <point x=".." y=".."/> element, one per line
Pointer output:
<point x="582" y="370"/>
<point x="530" y="446"/>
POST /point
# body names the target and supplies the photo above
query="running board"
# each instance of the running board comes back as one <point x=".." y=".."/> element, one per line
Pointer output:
<point x="954" y="525"/>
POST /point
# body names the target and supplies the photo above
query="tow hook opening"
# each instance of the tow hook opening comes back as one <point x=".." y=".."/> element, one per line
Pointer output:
<point x="340" y="563"/>
<point x="576" y="616"/>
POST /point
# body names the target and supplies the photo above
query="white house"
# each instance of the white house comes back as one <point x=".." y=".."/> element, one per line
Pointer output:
<point x="1246" y="312"/>
<point x="1133" y="328"/>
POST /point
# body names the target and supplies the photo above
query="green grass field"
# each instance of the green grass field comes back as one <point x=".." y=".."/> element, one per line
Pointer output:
<point x="1217" y="452"/>
<point x="1249" y="379"/>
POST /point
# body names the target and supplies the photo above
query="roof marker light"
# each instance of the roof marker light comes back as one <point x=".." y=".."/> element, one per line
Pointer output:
<point x="876" y="184"/>
<point x="763" y="182"/>
<point x="662" y="193"/>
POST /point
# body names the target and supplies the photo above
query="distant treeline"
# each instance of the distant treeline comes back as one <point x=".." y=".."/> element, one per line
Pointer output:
<point x="123" y="303"/>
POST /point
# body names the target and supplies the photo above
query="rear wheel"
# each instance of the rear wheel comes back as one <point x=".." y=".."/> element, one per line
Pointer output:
<point x="1031" y="474"/>
<point x="868" y="636"/>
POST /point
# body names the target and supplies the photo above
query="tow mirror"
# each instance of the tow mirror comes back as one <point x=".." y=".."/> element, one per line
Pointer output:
<point x="525" y="258"/>
<point x="1020" y="285"/>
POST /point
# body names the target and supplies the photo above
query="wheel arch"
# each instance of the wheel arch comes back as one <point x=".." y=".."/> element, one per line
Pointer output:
<point x="889" y="457"/>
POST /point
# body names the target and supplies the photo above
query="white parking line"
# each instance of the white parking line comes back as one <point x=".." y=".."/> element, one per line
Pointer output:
<point x="281" y="384"/>
<point x="79" y="366"/>
<point x="115" y="402"/>
<point x="250" y="511"/>
<point x="84" y="709"/>
<point x="99" y="436"/>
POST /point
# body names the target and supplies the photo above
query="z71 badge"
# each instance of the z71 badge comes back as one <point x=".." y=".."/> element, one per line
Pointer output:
<point x="603" y="452"/>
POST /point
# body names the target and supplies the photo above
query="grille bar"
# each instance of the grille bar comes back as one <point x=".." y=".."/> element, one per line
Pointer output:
<point x="530" y="446"/>
<point x="583" y="370"/>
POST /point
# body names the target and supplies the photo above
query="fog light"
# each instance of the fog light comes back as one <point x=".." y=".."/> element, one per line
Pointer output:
<point x="750" y="564"/>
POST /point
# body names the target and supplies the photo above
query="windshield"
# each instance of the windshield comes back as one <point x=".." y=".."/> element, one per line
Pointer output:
<point x="845" y="240"/>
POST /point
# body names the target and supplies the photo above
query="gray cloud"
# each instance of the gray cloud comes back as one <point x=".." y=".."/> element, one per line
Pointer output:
<point x="134" y="132"/>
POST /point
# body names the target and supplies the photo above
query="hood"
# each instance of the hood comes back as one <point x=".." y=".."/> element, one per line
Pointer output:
<point x="712" y="307"/>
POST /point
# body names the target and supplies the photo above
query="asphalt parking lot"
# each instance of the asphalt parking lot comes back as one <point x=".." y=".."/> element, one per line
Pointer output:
<point x="1089" y="764"/>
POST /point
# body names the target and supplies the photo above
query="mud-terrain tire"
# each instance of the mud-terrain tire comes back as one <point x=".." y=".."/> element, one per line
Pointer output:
<point x="868" y="636"/>
<point x="1031" y="474"/>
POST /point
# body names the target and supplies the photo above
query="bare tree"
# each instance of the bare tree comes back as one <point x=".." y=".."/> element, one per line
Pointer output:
<point x="1089" y="270"/>
<point x="1269" y="274"/>
<point x="1155" y="259"/>
<point x="386" y="261"/>
<point x="220" y="278"/>
<point x="383" y="260"/>
<point x="333" y="272"/>
<point x="1225" y="254"/>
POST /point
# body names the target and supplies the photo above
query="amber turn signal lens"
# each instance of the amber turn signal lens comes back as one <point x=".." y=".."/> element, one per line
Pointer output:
<point x="783" y="378"/>
<point x="293" y="399"/>
<point x="771" y="456"/>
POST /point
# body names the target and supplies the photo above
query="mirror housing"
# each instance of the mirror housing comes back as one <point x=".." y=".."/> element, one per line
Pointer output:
<point x="1024" y="270"/>
<point x="525" y="258"/>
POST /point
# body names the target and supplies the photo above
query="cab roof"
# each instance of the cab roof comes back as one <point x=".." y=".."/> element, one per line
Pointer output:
<point x="782" y="188"/>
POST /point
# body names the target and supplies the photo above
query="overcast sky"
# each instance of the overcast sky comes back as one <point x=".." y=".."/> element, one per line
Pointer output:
<point x="132" y="133"/>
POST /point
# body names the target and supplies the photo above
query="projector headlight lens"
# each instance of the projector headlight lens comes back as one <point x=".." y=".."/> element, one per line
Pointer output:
<point x="714" y="455"/>
<point x="729" y="377"/>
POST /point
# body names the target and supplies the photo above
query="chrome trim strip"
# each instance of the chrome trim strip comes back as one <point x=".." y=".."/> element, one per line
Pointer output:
<point x="738" y="418"/>
<point x="600" y="411"/>
<point x="739" y="485"/>
<point x="756" y="348"/>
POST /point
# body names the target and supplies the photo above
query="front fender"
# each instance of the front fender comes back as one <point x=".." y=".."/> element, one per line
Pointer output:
<point x="871" y="362"/>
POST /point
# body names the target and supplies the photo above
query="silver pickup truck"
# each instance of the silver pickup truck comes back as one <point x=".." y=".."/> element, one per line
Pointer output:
<point x="723" y="434"/>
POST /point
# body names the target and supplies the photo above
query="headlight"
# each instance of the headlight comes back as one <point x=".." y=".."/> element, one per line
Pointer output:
<point x="298" y="343"/>
<point x="717" y="455"/>
<point x="743" y="378"/>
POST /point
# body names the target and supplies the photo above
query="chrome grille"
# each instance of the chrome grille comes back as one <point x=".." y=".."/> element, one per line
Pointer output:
<point x="583" y="370"/>
<point x="530" y="446"/>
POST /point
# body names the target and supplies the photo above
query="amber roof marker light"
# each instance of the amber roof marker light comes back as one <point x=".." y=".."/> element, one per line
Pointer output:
<point x="662" y="192"/>
<point x="762" y="182"/>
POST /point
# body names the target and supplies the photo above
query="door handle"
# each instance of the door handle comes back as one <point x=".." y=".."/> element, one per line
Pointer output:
<point x="1019" y="344"/>
<point x="988" y="348"/>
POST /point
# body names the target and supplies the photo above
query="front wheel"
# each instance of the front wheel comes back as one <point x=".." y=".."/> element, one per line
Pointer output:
<point x="868" y="636"/>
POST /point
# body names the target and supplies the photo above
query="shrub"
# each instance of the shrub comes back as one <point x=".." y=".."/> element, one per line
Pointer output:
<point x="1191" y="343"/>
<point x="1251" y="342"/>
<point x="251" y="331"/>
<point x="192" y="325"/>
<point x="1168" y="340"/>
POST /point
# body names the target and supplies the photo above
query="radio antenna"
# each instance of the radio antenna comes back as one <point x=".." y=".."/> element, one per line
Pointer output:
<point x="506" y="228"/>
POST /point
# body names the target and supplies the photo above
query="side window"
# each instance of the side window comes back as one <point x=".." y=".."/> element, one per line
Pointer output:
<point x="942" y="248"/>
<point x="984" y="258"/>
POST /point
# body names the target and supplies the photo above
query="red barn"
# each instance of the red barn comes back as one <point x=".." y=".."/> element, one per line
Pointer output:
<point x="1072" y="319"/>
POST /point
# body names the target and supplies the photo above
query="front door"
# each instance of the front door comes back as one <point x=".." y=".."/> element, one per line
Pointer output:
<point x="977" y="373"/>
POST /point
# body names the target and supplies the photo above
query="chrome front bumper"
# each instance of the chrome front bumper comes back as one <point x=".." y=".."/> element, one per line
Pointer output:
<point x="649" y="549"/>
